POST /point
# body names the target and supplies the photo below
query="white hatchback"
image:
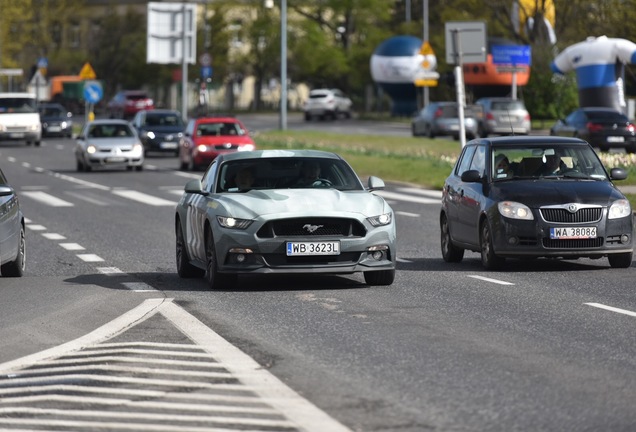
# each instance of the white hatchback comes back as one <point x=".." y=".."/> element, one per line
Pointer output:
<point x="327" y="103"/>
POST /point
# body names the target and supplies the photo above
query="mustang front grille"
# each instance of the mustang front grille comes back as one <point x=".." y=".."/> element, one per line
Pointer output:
<point x="312" y="227"/>
<point x="583" y="215"/>
<point x="278" y="260"/>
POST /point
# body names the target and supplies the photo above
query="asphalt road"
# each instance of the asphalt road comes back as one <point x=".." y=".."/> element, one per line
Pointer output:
<point x="102" y="333"/>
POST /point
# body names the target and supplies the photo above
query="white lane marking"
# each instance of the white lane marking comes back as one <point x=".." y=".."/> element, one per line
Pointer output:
<point x="426" y="192"/>
<point x="297" y="412"/>
<point x="611" y="308"/>
<point x="405" y="197"/>
<point x="89" y="257"/>
<point x="86" y="198"/>
<point x="176" y="191"/>
<point x="11" y="159"/>
<point x="109" y="270"/>
<point x="53" y="236"/>
<point x="497" y="281"/>
<point x="72" y="246"/>
<point x="36" y="227"/>
<point x="26" y="164"/>
<point x="79" y="181"/>
<point x="188" y="175"/>
<point x="46" y="198"/>
<point x="144" y="198"/>
<point x="138" y="287"/>
<point x="145" y="310"/>
<point x="248" y="371"/>
<point x="403" y="213"/>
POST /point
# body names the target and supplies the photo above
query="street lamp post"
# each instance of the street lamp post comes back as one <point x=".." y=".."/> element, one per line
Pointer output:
<point x="283" y="61"/>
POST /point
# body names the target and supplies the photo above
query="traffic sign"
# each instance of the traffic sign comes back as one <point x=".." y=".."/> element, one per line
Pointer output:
<point x="93" y="91"/>
<point x="465" y="39"/>
<point x="511" y="54"/>
<point x="206" y="71"/>
<point x="87" y="72"/>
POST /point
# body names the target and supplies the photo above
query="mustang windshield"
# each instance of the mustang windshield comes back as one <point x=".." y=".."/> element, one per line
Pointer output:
<point x="275" y="173"/>
<point x="579" y="162"/>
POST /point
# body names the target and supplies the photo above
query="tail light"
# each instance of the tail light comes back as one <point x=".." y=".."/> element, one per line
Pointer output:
<point x="631" y="127"/>
<point x="489" y="116"/>
<point x="594" y="127"/>
<point x="527" y="117"/>
<point x="438" y="113"/>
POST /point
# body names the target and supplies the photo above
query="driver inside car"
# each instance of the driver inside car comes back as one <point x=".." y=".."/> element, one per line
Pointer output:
<point x="309" y="173"/>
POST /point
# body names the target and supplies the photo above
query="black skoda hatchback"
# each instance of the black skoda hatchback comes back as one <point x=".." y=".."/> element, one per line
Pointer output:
<point x="534" y="196"/>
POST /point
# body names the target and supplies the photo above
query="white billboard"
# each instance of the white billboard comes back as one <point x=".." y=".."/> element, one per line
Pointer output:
<point x="169" y="24"/>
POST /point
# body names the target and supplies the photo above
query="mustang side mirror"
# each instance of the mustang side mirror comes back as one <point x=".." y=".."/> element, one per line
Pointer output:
<point x="375" y="183"/>
<point x="193" y="186"/>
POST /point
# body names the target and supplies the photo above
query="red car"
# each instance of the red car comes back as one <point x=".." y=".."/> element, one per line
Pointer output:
<point x="125" y="104"/>
<point x="207" y="137"/>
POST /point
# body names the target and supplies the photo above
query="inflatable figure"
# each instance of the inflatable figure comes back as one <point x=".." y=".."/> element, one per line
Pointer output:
<point x="599" y="64"/>
<point x="394" y="64"/>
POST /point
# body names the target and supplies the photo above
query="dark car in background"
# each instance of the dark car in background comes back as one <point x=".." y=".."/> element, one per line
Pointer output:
<point x="12" y="232"/>
<point x="534" y="196"/>
<point x="160" y="130"/>
<point x="56" y="120"/>
<point x="442" y="118"/>
<point x="502" y="116"/>
<point x="602" y="127"/>
<point x="207" y="137"/>
<point x="125" y="104"/>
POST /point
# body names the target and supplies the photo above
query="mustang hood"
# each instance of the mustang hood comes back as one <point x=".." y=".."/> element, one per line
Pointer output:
<point x="302" y="202"/>
<point x="549" y="192"/>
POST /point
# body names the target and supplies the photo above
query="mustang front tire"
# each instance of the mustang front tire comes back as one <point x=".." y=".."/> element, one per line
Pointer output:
<point x="215" y="279"/>
<point x="184" y="268"/>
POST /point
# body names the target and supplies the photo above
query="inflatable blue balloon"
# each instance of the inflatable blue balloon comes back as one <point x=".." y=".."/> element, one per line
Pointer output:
<point x="599" y="64"/>
<point x="393" y="66"/>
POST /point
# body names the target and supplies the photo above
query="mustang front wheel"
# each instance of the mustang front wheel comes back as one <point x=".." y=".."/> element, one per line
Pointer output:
<point x="184" y="268"/>
<point x="215" y="279"/>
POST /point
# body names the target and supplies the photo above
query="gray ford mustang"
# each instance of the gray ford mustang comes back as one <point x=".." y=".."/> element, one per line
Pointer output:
<point x="283" y="211"/>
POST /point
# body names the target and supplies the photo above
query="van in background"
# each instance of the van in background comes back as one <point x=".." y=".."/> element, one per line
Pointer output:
<point x="19" y="118"/>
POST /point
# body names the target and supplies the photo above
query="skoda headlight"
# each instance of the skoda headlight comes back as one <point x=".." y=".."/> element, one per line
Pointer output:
<point x="381" y="220"/>
<point x="514" y="210"/>
<point x="619" y="209"/>
<point x="233" y="223"/>
<point x="150" y="134"/>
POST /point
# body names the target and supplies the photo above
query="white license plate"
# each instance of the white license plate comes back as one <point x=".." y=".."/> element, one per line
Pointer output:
<point x="116" y="159"/>
<point x="16" y="135"/>
<point x="168" y="145"/>
<point x="54" y="129"/>
<point x="573" y="233"/>
<point x="615" y="139"/>
<point x="313" y="248"/>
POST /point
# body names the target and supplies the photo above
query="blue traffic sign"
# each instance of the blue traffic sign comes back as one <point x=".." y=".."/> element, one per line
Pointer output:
<point x="206" y="71"/>
<point x="93" y="91"/>
<point x="511" y="54"/>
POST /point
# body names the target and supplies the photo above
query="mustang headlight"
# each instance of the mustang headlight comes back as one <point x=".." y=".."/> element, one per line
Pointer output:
<point x="381" y="220"/>
<point x="233" y="223"/>
<point x="514" y="210"/>
<point x="619" y="209"/>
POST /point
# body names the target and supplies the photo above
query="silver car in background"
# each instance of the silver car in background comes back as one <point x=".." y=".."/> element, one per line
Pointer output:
<point x="502" y="116"/>
<point x="12" y="229"/>
<point x="442" y="119"/>
<point x="109" y="144"/>
<point x="327" y="103"/>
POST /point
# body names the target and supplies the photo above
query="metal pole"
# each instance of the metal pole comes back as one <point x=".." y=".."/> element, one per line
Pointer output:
<point x="283" y="64"/>
<point x="184" y="65"/>
<point x="459" y="85"/>
<point x="425" y="21"/>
